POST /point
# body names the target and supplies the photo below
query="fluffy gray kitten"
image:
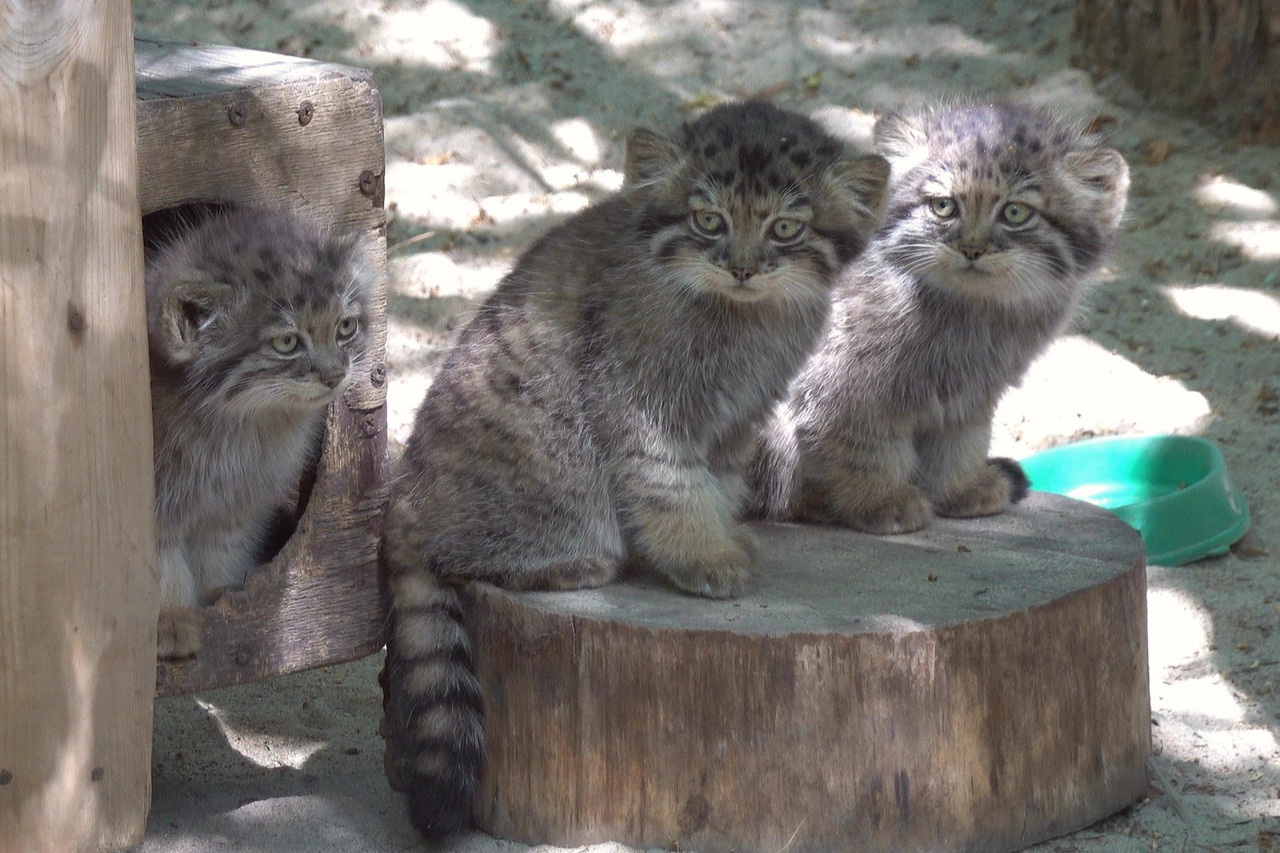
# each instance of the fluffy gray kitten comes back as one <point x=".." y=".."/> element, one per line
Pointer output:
<point x="255" y="319"/>
<point x="602" y="407"/>
<point x="998" y="219"/>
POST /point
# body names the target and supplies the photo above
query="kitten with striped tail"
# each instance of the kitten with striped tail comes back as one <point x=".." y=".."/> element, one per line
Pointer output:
<point x="601" y="409"/>
<point x="999" y="219"/>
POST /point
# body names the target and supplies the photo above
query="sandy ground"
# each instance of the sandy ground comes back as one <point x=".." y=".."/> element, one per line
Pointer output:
<point x="501" y="117"/>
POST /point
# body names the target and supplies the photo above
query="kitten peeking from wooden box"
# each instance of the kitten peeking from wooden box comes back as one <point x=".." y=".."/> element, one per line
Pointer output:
<point x="256" y="320"/>
<point x="999" y="218"/>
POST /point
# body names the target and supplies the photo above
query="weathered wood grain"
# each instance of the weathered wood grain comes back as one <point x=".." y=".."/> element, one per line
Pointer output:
<point x="977" y="686"/>
<point x="78" y="586"/>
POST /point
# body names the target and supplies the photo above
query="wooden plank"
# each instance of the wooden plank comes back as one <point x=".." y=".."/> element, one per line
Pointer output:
<point x="169" y="69"/>
<point x="223" y="124"/>
<point x="78" y="586"/>
<point x="977" y="686"/>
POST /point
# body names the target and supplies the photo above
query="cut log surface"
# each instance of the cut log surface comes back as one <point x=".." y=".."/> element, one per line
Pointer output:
<point x="980" y="685"/>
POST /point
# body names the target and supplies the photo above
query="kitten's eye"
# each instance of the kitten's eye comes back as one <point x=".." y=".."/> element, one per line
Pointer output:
<point x="1016" y="214"/>
<point x="347" y="327"/>
<point x="787" y="230"/>
<point x="943" y="208"/>
<point x="708" y="221"/>
<point x="285" y="344"/>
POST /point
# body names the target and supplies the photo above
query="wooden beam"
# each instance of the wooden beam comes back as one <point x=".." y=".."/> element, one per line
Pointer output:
<point x="78" y="586"/>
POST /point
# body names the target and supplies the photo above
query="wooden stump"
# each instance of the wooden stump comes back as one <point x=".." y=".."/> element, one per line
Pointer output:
<point x="1197" y="52"/>
<point x="977" y="686"/>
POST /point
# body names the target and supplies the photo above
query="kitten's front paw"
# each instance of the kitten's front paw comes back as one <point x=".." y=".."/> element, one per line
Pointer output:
<point x="904" y="510"/>
<point x="178" y="633"/>
<point x="722" y="571"/>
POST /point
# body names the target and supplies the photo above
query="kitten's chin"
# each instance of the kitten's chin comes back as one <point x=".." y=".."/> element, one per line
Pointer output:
<point x="997" y="286"/>
<point x="744" y="293"/>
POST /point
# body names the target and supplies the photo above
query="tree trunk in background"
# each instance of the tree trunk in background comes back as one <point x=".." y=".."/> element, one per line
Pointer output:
<point x="1203" y="53"/>
<point x="78" y="587"/>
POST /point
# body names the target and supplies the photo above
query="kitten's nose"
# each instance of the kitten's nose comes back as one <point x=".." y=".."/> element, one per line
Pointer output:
<point x="332" y="372"/>
<point x="972" y="251"/>
<point x="742" y="273"/>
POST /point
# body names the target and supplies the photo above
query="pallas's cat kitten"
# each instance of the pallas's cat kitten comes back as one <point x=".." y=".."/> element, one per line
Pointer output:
<point x="602" y="406"/>
<point x="255" y="319"/>
<point x="998" y="219"/>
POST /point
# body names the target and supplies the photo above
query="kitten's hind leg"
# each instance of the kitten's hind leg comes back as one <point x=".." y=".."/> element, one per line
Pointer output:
<point x="516" y="529"/>
<point x="178" y="633"/>
<point x="865" y="485"/>
<point x="962" y="481"/>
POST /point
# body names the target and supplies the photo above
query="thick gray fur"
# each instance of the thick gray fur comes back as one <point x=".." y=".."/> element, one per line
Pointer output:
<point x="890" y="421"/>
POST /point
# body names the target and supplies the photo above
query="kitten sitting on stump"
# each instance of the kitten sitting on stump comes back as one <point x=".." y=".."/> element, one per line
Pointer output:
<point x="998" y="220"/>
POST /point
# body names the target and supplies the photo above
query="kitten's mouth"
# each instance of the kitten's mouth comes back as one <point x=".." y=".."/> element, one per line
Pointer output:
<point x="742" y="291"/>
<point x="320" y="394"/>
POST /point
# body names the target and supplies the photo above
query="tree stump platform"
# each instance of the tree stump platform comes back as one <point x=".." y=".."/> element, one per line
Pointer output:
<point x="977" y="686"/>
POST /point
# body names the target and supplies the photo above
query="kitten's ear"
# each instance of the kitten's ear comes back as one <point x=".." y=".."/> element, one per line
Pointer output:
<point x="1104" y="176"/>
<point x="649" y="158"/>
<point x="183" y="311"/>
<point x="898" y="136"/>
<point x="862" y="184"/>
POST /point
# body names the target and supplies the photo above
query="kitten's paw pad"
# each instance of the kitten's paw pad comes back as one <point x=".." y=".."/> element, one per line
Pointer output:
<point x="178" y="633"/>
<point x="1000" y="483"/>
<point x="723" y="572"/>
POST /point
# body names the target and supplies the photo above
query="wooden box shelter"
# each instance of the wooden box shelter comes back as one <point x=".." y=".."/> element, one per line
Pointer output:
<point x="221" y="125"/>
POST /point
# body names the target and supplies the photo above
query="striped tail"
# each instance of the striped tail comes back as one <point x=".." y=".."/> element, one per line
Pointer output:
<point x="434" y="710"/>
<point x="1015" y="477"/>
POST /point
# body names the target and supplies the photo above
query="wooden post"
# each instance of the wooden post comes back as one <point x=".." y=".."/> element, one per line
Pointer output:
<point x="78" y="586"/>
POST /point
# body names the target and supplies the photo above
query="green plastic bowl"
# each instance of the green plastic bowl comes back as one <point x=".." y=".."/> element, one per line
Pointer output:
<point x="1173" y="489"/>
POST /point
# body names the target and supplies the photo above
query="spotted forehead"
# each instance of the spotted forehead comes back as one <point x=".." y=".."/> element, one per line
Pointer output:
<point x="757" y="152"/>
<point x="996" y="144"/>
